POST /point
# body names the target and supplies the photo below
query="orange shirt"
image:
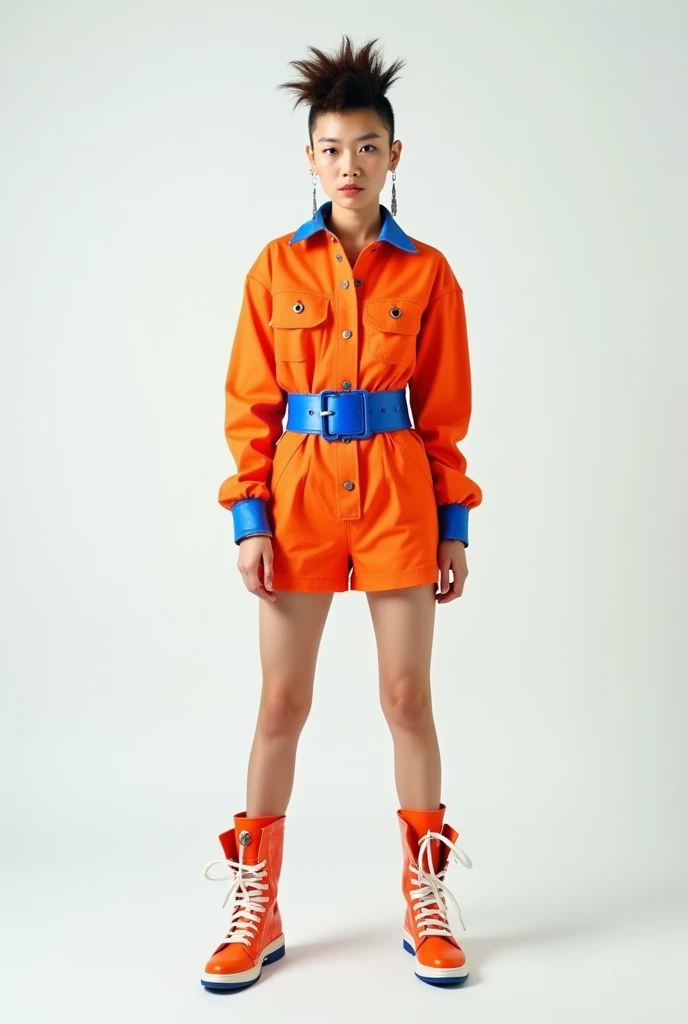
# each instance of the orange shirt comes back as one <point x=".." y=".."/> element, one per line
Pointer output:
<point x="345" y="337"/>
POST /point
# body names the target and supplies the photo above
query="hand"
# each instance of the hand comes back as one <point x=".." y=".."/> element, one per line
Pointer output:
<point x="451" y="554"/>
<point x="255" y="560"/>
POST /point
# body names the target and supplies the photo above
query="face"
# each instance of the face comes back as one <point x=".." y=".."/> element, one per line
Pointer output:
<point x="352" y="148"/>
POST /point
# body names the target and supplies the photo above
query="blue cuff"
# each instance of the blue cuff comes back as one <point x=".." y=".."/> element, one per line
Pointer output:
<point x="453" y="521"/>
<point x="250" y="515"/>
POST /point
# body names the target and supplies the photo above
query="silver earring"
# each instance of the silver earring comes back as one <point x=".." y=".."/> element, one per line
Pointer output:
<point x="315" y="205"/>
<point x="394" y="194"/>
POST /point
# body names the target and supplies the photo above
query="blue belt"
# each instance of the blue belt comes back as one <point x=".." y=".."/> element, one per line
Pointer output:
<point x="339" y="415"/>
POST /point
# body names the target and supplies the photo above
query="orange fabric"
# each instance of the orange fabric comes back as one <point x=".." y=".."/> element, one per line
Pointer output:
<point x="385" y="527"/>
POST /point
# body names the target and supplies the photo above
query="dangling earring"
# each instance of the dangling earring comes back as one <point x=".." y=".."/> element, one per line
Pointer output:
<point x="315" y="207"/>
<point x="394" y="194"/>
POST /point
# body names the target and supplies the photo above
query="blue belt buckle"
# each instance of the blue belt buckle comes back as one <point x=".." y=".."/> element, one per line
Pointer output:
<point x="325" y="413"/>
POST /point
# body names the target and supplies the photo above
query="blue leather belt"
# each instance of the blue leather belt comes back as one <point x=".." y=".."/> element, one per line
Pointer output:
<point x="339" y="415"/>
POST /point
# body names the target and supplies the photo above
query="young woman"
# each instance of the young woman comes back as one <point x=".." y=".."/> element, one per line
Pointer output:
<point x="337" y="320"/>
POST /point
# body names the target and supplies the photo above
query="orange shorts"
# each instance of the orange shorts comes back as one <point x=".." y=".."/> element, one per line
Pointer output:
<point x="323" y="540"/>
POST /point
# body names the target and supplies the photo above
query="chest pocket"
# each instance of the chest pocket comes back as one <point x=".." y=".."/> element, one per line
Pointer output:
<point x="298" y="321"/>
<point x="392" y="326"/>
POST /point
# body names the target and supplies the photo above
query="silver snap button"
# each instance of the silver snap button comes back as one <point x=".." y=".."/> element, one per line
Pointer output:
<point x="298" y="307"/>
<point x="346" y="334"/>
<point x="358" y="282"/>
<point x="395" y="312"/>
<point x="345" y="284"/>
<point x="244" y="838"/>
<point x="349" y="485"/>
<point x="346" y="440"/>
<point x="339" y="257"/>
<point x="346" y="385"/>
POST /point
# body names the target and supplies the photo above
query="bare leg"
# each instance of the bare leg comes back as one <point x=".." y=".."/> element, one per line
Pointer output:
<point x="290" y="631"/>
<point x="404" y="622"/>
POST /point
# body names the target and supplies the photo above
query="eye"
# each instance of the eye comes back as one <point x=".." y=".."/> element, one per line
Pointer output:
<point x="331" y="149"/>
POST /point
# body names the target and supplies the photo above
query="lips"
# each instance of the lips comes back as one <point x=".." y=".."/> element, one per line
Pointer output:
<point x="351" y="188"/>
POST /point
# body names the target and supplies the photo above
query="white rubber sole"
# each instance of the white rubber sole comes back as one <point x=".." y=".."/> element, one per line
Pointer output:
<point x="434" y="975"/>
<point x="274" y="951"/>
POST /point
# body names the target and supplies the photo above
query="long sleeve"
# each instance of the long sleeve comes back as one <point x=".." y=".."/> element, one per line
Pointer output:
<point x="440" y="399"/>
<point x="254" y="410"/>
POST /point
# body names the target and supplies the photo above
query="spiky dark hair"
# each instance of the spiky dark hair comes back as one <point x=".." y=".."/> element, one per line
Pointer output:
<point x="347" y="80"/>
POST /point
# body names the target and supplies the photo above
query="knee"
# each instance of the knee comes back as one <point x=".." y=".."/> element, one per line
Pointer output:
<point x="282" y="713"/>
<point x="406" y="704"/>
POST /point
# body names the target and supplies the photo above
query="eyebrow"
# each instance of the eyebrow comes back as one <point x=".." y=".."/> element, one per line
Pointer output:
<point x="370" y="135"/>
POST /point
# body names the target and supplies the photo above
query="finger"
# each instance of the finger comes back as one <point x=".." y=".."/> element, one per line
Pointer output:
<point x="256" y="584"/>
<point x="457" y="584"/>
<point x="252" y="583"/>
<point x="456" y="588"/>
<point x="451" y="593"/>
<point x="267" y="571"/>
<point x="444" y="577"/>
<point x="248" y="574"/>
<point x="246" y="577"/>
<point x="261" y="590"/>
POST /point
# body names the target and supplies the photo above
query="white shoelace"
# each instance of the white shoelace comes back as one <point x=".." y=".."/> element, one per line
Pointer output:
<point x="245" y="887"/>
<point x="431" y="888"/>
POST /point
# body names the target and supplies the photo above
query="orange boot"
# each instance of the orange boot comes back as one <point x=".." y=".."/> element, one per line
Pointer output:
<point x="427" y="935"/>
<point x="255" y="934"/>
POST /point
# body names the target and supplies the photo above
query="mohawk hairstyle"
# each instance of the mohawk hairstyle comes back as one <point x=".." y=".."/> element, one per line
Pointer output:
<point x="347" y="80"/>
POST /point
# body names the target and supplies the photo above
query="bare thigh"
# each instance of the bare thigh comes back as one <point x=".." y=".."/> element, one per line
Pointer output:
<point x="290" y="631"/>
<point x="404" y="623"/>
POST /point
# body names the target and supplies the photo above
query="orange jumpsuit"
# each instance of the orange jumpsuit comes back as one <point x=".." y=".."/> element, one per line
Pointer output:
<point x="374" y="507"/>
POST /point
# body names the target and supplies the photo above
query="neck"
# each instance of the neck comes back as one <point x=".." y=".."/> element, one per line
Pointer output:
<point x="356" y="226"/>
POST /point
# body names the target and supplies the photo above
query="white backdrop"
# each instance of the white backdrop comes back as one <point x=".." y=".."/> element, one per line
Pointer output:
<point x="147" y="157"/>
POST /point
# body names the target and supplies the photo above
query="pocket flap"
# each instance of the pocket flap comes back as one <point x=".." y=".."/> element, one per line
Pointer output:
<point x="378" y="314"/>
<point x="313" y="309"/>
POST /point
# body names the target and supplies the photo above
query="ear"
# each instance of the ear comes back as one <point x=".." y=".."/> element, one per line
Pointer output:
<point x="395" y="155"/>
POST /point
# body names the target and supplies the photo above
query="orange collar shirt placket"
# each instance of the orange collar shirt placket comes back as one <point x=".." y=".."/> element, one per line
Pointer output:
<point x="340" y="359"/>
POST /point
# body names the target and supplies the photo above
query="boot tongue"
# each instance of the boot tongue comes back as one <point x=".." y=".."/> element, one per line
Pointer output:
<point x="248" y="831"/>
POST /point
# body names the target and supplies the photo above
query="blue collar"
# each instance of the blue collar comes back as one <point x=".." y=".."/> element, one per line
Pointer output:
<point x="389" y="232"/>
